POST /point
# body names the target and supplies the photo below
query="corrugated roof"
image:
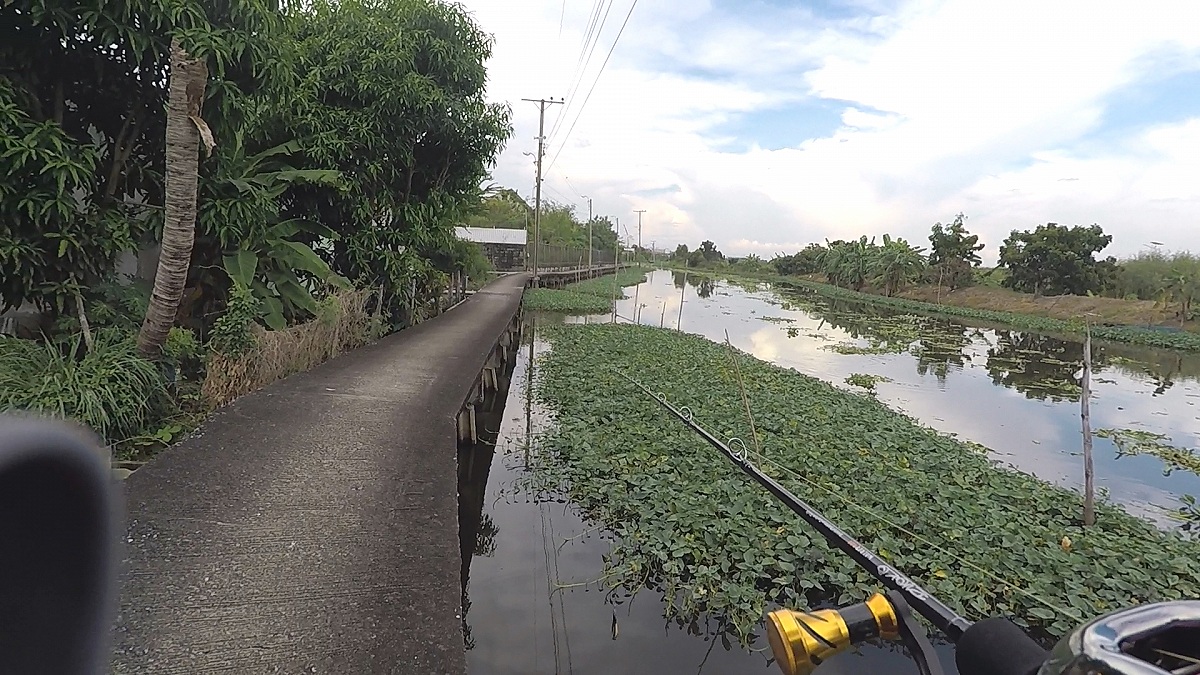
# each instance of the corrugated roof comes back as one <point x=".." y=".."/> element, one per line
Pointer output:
<point x="491" y="235"/>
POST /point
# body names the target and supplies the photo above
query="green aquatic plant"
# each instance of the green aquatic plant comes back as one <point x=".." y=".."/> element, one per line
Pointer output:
<point x="566" y="302"/>
<point x="609" y="285"/>
<point x="1131" y="442"/>
<point x="689" y="524"/>
<point x="866" y="380"/>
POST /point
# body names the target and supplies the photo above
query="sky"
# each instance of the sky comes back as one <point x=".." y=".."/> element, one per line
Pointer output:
<point x="764" y="125"/>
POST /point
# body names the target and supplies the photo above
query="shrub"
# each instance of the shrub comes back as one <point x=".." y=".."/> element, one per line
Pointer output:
<point x="109" y="389"/>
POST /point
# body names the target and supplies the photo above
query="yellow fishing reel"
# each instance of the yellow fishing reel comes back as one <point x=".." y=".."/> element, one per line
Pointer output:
<point x="801" y="641"/>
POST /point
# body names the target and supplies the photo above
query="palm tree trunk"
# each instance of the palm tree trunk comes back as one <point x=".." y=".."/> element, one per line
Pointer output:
<point x="189" y="77"/>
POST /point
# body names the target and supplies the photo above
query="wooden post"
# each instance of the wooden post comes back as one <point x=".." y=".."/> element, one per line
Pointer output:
<point x="1089" y="503"/>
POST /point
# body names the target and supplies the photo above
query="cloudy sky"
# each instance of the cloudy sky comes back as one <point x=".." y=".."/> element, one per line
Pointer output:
<point x="767" y="124"/>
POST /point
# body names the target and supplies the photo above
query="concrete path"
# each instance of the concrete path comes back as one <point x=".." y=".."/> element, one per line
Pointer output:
<point x="311" y="527"/>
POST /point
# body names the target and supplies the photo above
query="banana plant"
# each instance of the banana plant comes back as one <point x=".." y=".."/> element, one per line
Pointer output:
<point x="276" y="258"/>
<point x="897" y="263"/>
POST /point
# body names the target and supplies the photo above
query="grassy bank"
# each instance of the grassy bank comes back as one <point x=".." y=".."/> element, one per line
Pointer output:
<point x="693" y="526"/>
<point x="1059" y="314"/>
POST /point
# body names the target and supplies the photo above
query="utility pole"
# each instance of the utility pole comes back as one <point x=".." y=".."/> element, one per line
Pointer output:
<point x="537" y="209"/>
<point x="640" y="212"/>
<point x="589" y="230"/>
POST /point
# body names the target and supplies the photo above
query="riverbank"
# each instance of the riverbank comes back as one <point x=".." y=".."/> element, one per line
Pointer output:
<point x="690" y="524"/>
<point x="1063" y="315"/>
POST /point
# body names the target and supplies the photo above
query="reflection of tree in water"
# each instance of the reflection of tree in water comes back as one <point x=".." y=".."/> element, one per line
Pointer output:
<point x="1039" y="366"/>
<point x="485" y="538"/>
<point x="678" y="278"/>
<point x="938" y="353"/>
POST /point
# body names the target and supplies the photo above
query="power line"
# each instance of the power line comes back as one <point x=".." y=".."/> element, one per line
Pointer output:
<point x="587" y="39"/>
<point x="595" y="30"/>
<point x="579" y="113"/>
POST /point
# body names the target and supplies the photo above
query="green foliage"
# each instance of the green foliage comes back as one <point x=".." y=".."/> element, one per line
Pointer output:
<point x="184" y="352"/>
<point x="750" y="264"/>
<point x="896" y="264"/>
<point x="1138" y="442"/>
<point x="242" y="229"/>
<point x="609" y="285"/>
<point x="231" y="333"/>
<point x="82" y="118"/>
<point x="503" y="208"/>
<point x="1054" y="259"/>
<point x="680" y="254"/>
<point x="392" y="95"/>
<point x="566" y="302"/>
<point x="866" y="380"/>
<point x="1170" y="279"/>
<point x="690" y="524"/>
<point x="706" y="255"/>
<point x="109" y="389"/>
<point x="953" y="255"/>
<point x="849" y="263"/>
<point x="807" y="261"/>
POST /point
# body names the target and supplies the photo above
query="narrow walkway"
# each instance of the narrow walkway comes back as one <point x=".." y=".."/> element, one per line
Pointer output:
<point x="311" y="527"/>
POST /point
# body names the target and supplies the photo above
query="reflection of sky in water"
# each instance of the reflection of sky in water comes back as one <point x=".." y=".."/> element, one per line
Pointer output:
<point x="1041" y="437"/>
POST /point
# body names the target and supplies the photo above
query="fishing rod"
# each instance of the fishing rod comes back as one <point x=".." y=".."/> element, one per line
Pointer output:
<point x="1155" y="639"/>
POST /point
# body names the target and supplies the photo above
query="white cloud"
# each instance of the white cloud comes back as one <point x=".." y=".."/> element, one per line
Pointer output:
<point x="948" y="106"/>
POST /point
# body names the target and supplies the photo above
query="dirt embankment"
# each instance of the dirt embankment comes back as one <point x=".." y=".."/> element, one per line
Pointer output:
<point x="1064" y="307"/>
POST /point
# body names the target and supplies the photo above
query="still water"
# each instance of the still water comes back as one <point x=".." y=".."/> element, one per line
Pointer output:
<point x="530" y="563"/>
<point x="1014" y="392"/>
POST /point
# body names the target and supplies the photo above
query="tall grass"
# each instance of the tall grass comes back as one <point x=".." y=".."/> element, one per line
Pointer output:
<point x="109" y="388"/>
<point x="1150" y="274"/>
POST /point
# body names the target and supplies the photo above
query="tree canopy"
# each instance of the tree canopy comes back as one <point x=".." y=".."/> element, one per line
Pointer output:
<point x="351" y="136"/>
<point x="82" y="125"/>
<point x="1054" y="259"/>
<point x="954" y="254"/>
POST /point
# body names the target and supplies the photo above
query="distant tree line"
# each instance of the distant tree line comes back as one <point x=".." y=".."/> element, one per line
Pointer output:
<point x="560" y="226"/>
<point x="1050" y="259"/>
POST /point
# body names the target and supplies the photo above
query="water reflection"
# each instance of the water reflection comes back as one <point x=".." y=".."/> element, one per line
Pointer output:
<point x="529" y="566"/>
<point x="957" y="376"/>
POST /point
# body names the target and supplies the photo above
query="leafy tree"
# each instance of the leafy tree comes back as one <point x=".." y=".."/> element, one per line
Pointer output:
<point x="680" y="254"/>
<point x="1054" y="259"/>
<point x="954" y="254"/>
<point x="807" y="261"/>
<point x="83" y="99"/>
<point x="559" y="226"/>
<point x="504" y="208"/>
<point x="706" y="254"/>
<point x="604" y="233"/>
<point x="896" y="263"/>
<point x="390" y="93"/>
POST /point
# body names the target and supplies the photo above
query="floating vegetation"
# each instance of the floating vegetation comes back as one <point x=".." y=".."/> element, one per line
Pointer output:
<point x="691" y="526"/>
<point x="866" y="380"/>
<point x="851" y="348"/>
<point x="1132" y="442"/>
<point x="604" y="286"/>
<point x="566" y="302"/>
<point x="777" y="319"/>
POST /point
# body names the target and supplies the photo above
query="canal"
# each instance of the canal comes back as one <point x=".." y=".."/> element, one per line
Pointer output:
<point x="533" y="568"/>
